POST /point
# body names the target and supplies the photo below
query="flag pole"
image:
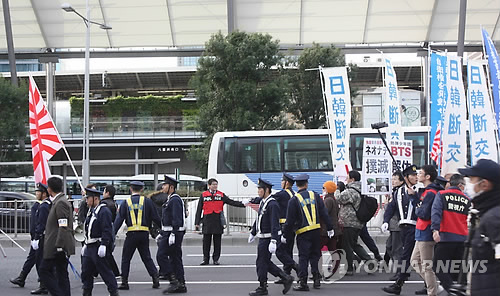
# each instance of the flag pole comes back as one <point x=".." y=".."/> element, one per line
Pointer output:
<point x="330" y="131"/>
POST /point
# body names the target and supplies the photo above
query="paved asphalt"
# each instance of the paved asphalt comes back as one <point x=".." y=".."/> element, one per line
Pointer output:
<point x="235" y="276"/>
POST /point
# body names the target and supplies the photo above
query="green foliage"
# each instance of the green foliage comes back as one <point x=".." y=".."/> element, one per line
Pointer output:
<point x="306" y="104"/>
<point x="236" y="88"/>
<point x="13" y="127"/>
<point x="135" y="106"/>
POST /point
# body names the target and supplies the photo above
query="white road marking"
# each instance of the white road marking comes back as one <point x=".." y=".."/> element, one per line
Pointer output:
<point x="270" y="282"/>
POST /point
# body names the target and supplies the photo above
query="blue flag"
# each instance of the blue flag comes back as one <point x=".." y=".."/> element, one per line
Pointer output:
<point x="439" y="92"/>
<point x="494" y="63"/>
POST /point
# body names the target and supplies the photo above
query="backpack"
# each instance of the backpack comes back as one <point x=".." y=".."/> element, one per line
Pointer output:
<point x="367" y="207"/>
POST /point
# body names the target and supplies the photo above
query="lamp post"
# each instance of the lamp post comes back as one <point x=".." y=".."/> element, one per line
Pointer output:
<point x="86" y="105"/>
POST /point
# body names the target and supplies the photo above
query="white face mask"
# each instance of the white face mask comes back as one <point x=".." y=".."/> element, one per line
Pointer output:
<point x="469" y="189"/>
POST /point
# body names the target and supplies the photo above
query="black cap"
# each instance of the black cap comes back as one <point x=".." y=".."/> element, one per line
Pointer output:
<point x="485" y="169"/>
<point x="410" y="170"/>
<point x="441" y="181"/>
<point x="287" y="177"/>
<point x="169" y="180"/>
<point x="264" y="184"/>
<point x="92" y="192"/>
<point x="301" y="177"/>
<point x="41" y="187"/>
<point x="137" y="183"/>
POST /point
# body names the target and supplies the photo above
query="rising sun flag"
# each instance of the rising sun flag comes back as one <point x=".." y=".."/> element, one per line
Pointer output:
<point x="45" y="140"/>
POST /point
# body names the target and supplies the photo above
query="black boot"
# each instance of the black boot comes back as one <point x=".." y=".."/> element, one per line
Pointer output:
<point x="261" y="290"/>
<point x="171" y="279"/>
<point x="156" y="281"/>
<point x="181" y="287"/>
<point x="124" y="284"/>
<point x="174" y="285"/>
<point x="280" y="281"/>
<point x="394" y="288"/>
<point x="114" y="293"/>
<point x="20" y="280"/>
<point x="42" y="290"/>
<point x="287" y="281"/>
<point x="302" y="286"/>
<point x="87" y="292"/>
<point x="422" y="291"/>
<point x="316" y="280"/>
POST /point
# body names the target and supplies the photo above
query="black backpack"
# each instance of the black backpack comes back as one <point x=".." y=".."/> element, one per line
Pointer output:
<point x="367" y="207"/>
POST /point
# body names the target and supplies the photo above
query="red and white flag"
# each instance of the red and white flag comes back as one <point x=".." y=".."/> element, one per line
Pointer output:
<point x="437" y="147"/>
<point x="45" y="140"/>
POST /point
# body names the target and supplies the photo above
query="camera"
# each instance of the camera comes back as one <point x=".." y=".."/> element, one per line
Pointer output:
<point x="379" y="125"/>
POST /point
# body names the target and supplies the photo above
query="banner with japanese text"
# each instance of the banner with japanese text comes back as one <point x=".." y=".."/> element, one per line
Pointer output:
<point x="392" y="103"/>
<point x="454" y="129"/>
<point x="493" y="61"/>
<point x="377" y="168"/>
<point x="481" y="119"/>
<point x="438" y="93"/>
<point x="338" y="111"/>
<point x="403" y="154"/>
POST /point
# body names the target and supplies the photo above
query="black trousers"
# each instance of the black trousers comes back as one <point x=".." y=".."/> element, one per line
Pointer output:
<point x="350" y="245"/>
<point x="408" y="243"/>
<point x="284" y="253"/>
<point x="54" y="274"/>
<point x="207" y="242"/>
<point x="91" y="264"/>
<point x="446" y="252"/>
<point x="309" y="247"/>
<point x="174" y="253"/>
<point x="368" y="240"/>
<point x="30" y="260"/>
<point x="137" y="240"/>
<point x="264" y="263"/>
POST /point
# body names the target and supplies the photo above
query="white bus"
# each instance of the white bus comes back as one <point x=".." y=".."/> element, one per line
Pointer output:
<point x="238" y="159"/>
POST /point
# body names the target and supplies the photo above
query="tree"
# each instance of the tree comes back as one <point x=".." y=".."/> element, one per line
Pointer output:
<point x="13" y="126"/>
<point x="306" y="104"/>
<point x="237" y="87"/>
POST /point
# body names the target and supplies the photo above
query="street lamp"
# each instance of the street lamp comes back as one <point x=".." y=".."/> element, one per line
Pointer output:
<point x="86" y="106"/>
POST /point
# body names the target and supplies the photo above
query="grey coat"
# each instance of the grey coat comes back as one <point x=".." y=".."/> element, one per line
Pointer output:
<point x="347" y="199"/>
<point x="59" y="228"/>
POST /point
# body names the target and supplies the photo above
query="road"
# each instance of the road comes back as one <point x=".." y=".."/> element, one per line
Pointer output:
<point x="235" y="276"/>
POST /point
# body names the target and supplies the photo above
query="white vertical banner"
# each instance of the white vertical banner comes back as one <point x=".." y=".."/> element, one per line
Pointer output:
<point x="392" y="103"/>
<point x="376" y="168"/>
<point x="338" y="111"/>
<point x="454" y="128"/>
<point x="481" y="119"/>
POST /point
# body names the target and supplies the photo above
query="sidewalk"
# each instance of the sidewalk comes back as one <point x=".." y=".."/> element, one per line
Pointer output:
<point x="190" y="239"/>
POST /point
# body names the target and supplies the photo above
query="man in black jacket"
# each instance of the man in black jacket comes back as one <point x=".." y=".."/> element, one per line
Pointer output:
<point x="108" y="199"/>
<point x="483" y="187"/>
<point x="212" y="204"/>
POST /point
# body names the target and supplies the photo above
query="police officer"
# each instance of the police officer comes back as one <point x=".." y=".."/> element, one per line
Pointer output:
<point x="304" y="211"/>
<point x="138" y="213"/>
<point x="38" y="220"/>
<point x="404" y="202"/>
<point x="171" y="236"/>
<point x="108" y="199"/>
<point x="267" y="228"/>
<point x="98" y="230"/>
<point x="483" y="187"/>
<point x="212" y="203"/>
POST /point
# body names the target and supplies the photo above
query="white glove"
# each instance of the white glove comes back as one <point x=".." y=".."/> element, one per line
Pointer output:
<point x="251" y="238"/>
<point x="34" y="244"/>
<point x="272" y="246"/>
<point x="157" y="239"/>
<point x="171" y="239"/>
<point x="245" y="201"/>
<point x="497" y="252"/>
<point x="283" y="240"/>
<point x="330" y="233"/>
<point x="384" y="227"/>
<point x="101" y="252"/>
<point x="82" y="252"/>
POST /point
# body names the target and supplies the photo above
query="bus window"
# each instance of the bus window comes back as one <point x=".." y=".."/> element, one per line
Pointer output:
<point x="248" y="155"/>
<point x="226" y="162"/>
<point x="122" y="187"/>
<point x="306" y="154"/>
<point x="272" y="154"/>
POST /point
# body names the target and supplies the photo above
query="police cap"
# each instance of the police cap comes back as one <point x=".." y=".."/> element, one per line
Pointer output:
<point x="264" y="184"/>
<point x="169" y="180"/>
<point x="41" y="187"/>
<point x="287" y="177"/>
<point x="92" y="192"/>
<point x="485" y="169"/>
<point x="137" y="183"/>
<point x="441" y="181"/>
<point x="410" y="170"/>
<point x="301" y="177"/>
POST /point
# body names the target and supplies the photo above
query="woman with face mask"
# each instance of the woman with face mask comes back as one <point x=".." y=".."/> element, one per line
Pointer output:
<point x="483" y="187"/>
